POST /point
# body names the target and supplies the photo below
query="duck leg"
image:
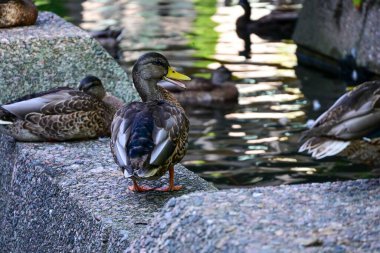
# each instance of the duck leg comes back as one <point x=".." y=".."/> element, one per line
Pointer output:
<point x="139" y="188"/>
<point x="171" y="186"/>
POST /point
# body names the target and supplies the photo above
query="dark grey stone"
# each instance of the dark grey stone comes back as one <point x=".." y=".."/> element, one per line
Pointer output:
<point x="335" y="28"/>
<point x="329" y="217"/>
<point x="55" y="53"/>
<point x="71" y="197"/>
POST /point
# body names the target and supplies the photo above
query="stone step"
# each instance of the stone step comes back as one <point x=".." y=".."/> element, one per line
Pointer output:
<point x="328" y="217"/>
<point x="71" y="197"/>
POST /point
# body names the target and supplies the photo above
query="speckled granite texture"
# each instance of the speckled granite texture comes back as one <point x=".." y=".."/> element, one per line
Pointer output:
<point x="329" y="217"/>
<point x="55" y="53"/>
<point x="337" y="28"/>
<point x="71" y="197"/>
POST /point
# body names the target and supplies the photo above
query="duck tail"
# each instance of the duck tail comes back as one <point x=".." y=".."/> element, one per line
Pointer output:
<point x="3" y="122"/>
<point x="141" y="141"/>
<point x="127" y="171"/>
<point x="321" y="147"/>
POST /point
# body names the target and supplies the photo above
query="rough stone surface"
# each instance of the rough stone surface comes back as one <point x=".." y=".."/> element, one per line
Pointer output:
<point x="55" y="53"/>
<point x="71" y="197"/>
<point x="328" y="217"/>
<point x="335" y="28"/>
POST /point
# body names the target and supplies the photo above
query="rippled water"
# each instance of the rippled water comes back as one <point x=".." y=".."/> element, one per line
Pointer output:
<point x="255" y="141"/>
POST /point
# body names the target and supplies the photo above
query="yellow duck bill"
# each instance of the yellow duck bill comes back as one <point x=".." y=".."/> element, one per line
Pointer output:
<point x="174" y="77"/>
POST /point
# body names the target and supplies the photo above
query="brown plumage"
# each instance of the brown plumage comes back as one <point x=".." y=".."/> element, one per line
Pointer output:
<point x="17" y="13"/>
<point x="148" y="138"/>
<point x="350" y="128"/>
<point x="59" y="114"/>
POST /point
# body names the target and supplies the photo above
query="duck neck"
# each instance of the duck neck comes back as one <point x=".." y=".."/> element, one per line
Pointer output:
<point x="247" y="9"/>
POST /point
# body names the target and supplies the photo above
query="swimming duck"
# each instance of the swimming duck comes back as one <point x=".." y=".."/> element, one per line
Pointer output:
<point x="200" y="91"/>
<point x="60" y="114"/>
<point x="148" y="138"/>
<point x="350" y="128"/>
<point x="109" y="39"/>
<point x="17" y="13"/>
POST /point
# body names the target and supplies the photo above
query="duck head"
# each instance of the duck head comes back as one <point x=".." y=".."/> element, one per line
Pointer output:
<point x="221" y="75"/>
<point x="92" y="86"/>
<point x="151" y="68"/>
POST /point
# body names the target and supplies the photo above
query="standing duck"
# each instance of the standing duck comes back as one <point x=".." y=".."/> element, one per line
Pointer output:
<point x="17" y="13"/>
<point x="148" y="138"/>
<point x="60" y="114"/>
<point x="350" y="128"/>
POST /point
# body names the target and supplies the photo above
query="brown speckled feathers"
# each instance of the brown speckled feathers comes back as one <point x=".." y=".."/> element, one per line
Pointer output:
<point x="57" y="115"/>
<point x="161" y="142"/>
<point x="353" y="115"/>
<point x="350" y="127"/>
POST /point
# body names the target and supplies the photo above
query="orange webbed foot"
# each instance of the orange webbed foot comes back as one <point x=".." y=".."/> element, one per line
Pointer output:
<point x="170" y="188"/>
<point x="139" y="188"/>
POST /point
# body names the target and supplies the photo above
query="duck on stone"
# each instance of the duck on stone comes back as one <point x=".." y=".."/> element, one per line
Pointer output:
<point x="17" y="13"/>
<point x="350" y="128"/>
<point x="205" y="92"/>
<point x="148" y="138"/>
<point x="60" y="114"/>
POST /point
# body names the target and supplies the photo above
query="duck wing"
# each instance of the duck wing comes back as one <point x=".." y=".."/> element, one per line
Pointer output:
<point x="354" y="115"/>
<point x="146" y="135"/>
<point x="55" y="101"/>
<point x="58" y="114"/>
<point x="35" y="102"/>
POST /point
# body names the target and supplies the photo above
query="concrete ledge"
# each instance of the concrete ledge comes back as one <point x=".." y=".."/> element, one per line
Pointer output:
<point x="329" y="217"/>
<point x="55" y="53"/>
<point x="71" y="197"/>
<point x="335" y="28"/>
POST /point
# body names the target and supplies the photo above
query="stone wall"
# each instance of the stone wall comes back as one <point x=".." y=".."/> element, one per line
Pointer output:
<point x="336" y="29"/>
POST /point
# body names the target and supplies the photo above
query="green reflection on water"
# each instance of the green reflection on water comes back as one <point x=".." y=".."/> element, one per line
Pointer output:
<point x="56" y="6"/>
<point x="203" y="25"/>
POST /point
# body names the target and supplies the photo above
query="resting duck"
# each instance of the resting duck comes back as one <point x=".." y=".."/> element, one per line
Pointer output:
<point x="60" y="114"/>
<point x="17" y="13"/>
<point x="148" y="138"/>
<point x="350" y="128"/>
<point x="277" y="25"/>
<point x="109" y="39"/>
<point x="205" y="92"/>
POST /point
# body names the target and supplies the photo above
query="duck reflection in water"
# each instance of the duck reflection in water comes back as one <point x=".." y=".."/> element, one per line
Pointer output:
<point x="276" y="26"/>
<point x="207" y="92"/>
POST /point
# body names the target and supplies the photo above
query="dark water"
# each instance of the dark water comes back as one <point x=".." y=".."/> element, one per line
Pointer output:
<point x="255" y="141"/>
